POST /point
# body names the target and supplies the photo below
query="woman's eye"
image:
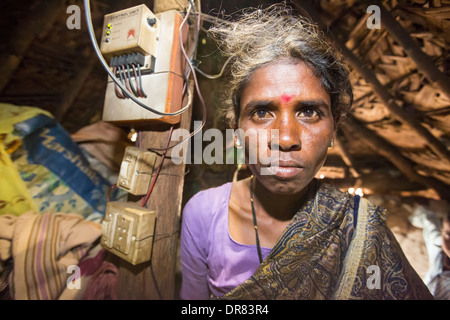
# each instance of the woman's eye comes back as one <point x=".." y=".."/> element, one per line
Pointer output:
<point x="309" y="113"/>
<point x="261" y="114"/>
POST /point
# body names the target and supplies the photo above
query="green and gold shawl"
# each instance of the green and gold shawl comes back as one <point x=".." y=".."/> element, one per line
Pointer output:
<point x="328" y="252"/>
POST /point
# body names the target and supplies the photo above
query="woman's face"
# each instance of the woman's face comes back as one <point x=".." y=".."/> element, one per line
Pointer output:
<point x="287" y="99"/>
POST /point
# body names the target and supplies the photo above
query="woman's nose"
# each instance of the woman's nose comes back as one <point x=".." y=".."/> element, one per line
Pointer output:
<point x="289" y="134"/>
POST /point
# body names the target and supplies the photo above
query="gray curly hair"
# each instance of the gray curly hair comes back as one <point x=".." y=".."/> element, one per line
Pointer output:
<point x="259" y="37"/>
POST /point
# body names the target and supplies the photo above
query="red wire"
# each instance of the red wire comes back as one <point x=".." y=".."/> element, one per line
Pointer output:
<point x="137" y="84"/>
<point x="122" y="67"/>
<point x="109" y="191"/>
<point x="144" y="200"/>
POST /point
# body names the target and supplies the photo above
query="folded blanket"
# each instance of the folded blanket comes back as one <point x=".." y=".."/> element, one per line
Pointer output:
<point x="42" y="247"/>
<point x="98" y="278"/>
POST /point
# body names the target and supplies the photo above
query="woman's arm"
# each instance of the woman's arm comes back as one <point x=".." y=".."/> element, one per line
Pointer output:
<point x="194" y="269"/>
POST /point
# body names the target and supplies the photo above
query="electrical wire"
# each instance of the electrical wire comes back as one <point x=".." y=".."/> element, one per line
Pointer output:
<point x="124" y="76"/>
<point x="116" y="88"/>
<point x="90" y="27"/>
<point x="137" y="84"/>
<point x="145" y="199"/>
<point x="194" y="76"/>
<point x="131" y="82"/>
<point x="129" y="95"/>
<point x="197" y="27"/>
<point x="216" y="76"/>
<point x="140" y="81"/>
<point x="109" y="191"/>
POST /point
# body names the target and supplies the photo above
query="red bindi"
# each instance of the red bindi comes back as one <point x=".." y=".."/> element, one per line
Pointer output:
<point x="285" y="98"/>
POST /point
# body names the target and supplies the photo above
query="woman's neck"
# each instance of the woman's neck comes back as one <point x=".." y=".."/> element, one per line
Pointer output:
<point x="278" y="206"/>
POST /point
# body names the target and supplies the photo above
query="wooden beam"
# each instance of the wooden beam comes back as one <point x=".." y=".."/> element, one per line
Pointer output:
<point x="388" y="100"/>
<point x="39" y="19"/>
<point x="346" y="157"/>
<point x="384" y="148"/>
<point x="423" y="62"/>
<point x="380" y="91"/>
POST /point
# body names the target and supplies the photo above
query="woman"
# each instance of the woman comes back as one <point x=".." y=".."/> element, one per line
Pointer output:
<point x="280" y="234"/>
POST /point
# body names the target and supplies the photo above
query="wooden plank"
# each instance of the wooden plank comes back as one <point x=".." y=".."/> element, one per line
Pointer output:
<point x="155" y="279"/>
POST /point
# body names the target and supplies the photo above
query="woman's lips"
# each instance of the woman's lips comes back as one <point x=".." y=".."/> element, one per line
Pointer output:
<point x="285" y="172"/>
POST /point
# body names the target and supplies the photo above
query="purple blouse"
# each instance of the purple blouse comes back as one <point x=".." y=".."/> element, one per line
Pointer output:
<point x="212" y="263"/>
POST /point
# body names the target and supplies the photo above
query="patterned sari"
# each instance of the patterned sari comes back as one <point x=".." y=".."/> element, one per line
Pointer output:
<point x="329" y="252"/>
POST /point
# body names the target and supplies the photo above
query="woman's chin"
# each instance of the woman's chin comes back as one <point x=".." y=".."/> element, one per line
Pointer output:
<point x="282" y="185"/>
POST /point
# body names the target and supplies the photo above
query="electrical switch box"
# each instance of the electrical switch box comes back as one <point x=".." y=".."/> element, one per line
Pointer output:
<point x="131" y="30"/>
<point x="136" y="170"/>
<point x="158" y="82"/>
<point x="128" y="230"/>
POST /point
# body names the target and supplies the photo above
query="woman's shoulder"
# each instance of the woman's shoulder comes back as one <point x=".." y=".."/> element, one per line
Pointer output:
<point x="334" y="196"/>
<point x="209" y="200"/>
<point x="213" y="194"/>
<point x="203" y="211"/>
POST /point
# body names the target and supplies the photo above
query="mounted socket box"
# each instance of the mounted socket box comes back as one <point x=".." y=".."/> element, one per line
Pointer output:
<point x="136" y="170"/>
<point x="127" y="231"/>
<point x="131" y="30"/>
<point x="162" y="82"/>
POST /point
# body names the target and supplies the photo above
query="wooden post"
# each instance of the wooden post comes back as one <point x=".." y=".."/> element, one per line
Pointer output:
<point x="155" y="280"/>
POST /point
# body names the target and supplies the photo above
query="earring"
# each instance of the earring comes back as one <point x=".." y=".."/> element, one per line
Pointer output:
<point x="332" y="143"/>
<point x="237" y="143"/>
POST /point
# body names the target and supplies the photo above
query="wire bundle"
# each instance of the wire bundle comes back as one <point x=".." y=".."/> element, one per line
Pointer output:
<point x="121" y="68"/>
<point x="125" y="88"/>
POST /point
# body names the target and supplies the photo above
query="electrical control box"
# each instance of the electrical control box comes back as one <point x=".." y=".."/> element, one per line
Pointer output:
<point x="136" y="170"/>
<point x="131" y="30"/>
<point x="128" y="231"/>
<point x="156" y="78"/>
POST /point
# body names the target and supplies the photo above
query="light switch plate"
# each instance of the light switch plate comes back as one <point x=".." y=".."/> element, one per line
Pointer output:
<point x="136" y="170"/>
<point x="127" y="231"/>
